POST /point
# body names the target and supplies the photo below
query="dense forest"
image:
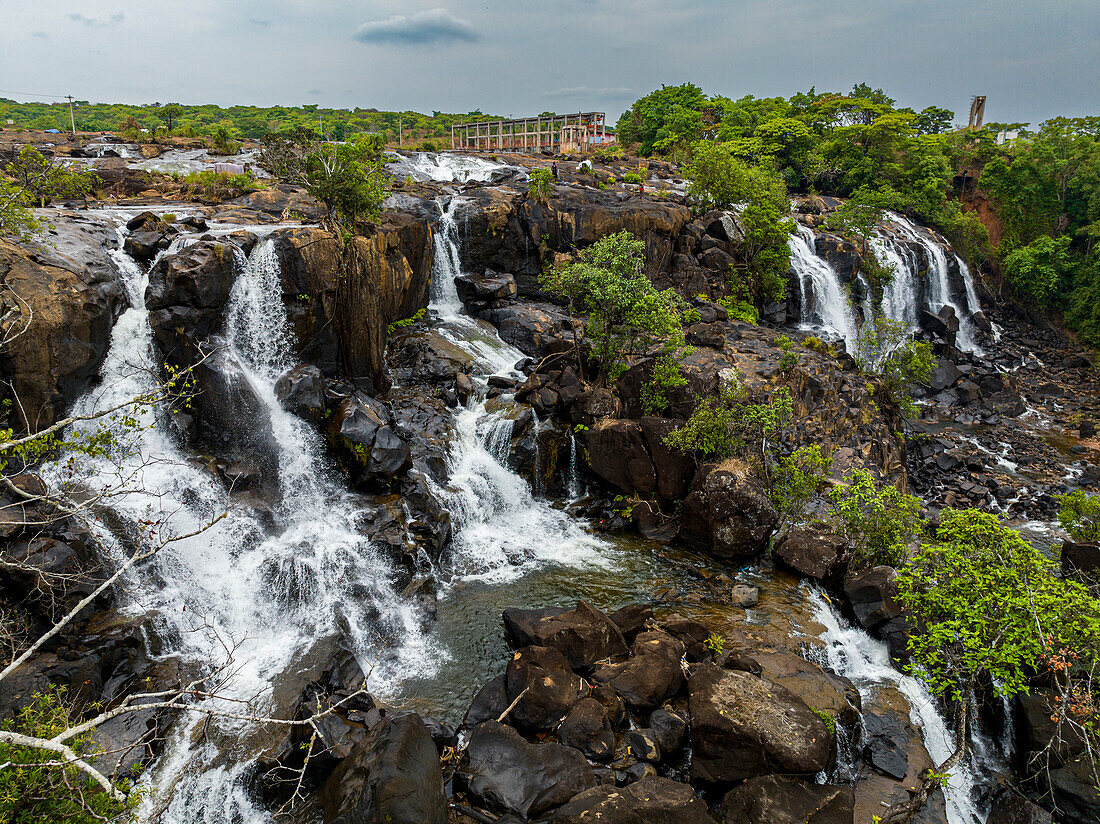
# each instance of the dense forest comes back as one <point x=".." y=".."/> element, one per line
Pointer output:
<point x="238" y="121"/>
<point x="1042" y="187"/>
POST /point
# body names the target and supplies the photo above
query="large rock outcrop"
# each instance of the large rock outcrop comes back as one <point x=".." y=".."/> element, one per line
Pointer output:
<point x="66" y="300"/>
<point x="340" y="301"/>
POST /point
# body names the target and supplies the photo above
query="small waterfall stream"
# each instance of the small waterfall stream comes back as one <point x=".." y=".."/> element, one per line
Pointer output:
<point x="826" y="305"/>
<point x="920" y="282"/>
<point x="502" y="530"/>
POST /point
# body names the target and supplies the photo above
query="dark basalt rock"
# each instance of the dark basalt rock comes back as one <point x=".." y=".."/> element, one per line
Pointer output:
<point x="651" y="676"/>
<point x="669" y="728"/>
<point x="650" y="800"/>
<point x="391" y="777"/>
<point x="360" y="428"/>
<point x="873" y="595"/>
<point x="778" y="799"/>
<point x="488" y="704"/>
<point x="812" y="551"/>
<point x="584" y="635"/>
<point x="487" y="287"/>
<point x="302" y="391"/>
<point x="506" y="773"/>
<point x="1012" y="808"/>
<point x="1081" y="557"/>
<point x="588" y="729"/>
<point x="728" y="513"/>
<point x="632" y="619"/>
<point x="743" y="726"/>
<point x="551" y="687"/>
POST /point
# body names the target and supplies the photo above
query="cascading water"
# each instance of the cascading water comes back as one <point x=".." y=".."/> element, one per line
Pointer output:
<point x="444" y="168"/>
<point x="853" y="653"/>
<point x="501" y="530"/>
<point x="262" y="591"/>
<point x="826" y="305"/>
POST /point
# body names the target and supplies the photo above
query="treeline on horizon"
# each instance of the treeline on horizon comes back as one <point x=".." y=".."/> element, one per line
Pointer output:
<point x="1043" y="187"/>
<point x="255" y="122"/>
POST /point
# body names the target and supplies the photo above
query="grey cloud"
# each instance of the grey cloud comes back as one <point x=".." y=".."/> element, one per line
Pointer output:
<point x="96" y="22"/>
<point x="255" y="22"/>
<point x="430" y="26"/>
<point x="41" y="35"/>
<point x="607" y="93"/>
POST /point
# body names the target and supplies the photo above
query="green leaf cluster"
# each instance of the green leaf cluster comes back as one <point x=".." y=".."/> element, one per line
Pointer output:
<point x="33" y="791"/>
<point x="1079" y="515"/>
<point x="877" y="521"/>
<point x="627" y="316"/>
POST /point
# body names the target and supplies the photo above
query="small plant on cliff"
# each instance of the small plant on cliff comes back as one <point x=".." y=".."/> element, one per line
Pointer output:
<point x="797" y="478"/>
<point x="885" y="348"/>
<point x="1079" y="515"/>
<point x="540" y="185"/>
<point x="878" y="522"/>
<point x="788" y="360"/>
<point x="627" y="316"/>
<point x="33" y="788"/>
<point x="729" y="424"/>
<point x="405" y="322"/>
<point x="992" y="610"/>
<point x="665" y="377"/>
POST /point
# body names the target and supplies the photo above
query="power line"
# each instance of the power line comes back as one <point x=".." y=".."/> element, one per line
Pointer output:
<point x="33" y="94"/>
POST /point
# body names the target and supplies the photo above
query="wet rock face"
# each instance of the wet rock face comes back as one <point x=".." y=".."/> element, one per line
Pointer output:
<point x="652" y="800"/>
<point x="812" y="551"/>
<point x="544" y="685"/>
<point x="777" y="799"/>
<point x="728" y="513"/>
<point x="391" y="777"/>
<point x="507" y="774"/>
<point x="186" y="298"/>
<point x="72" y="295"/>
<point x="743" y="726"/>
<point x="341" y="302"/>
<point x="361" y="430"/>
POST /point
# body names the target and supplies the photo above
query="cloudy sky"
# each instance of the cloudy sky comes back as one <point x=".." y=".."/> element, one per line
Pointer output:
<point x="1032" y="59"/>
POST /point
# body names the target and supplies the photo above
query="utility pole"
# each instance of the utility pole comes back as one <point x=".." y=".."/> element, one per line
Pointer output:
<point x="72" y="119"/>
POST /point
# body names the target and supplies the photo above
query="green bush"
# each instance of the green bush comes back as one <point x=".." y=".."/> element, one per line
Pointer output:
<point x="627" y="316"/>
<point x="664" y="377"/>
<point x="633" y="177"/>
<point x="878" y="522"/>
<point x="797" y="478"/>
<point x="1079" y="515"/>
<point x="540" y="185"/>
<point x="740" y="310"/>
<point x="33" y="789"/>
<point x="885" y="348"/>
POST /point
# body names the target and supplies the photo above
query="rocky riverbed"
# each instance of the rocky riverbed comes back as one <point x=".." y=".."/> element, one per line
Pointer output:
<point x="507" y="597"/>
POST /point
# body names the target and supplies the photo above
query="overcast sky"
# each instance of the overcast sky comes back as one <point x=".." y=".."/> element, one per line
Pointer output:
<point x="1032" y="59"/>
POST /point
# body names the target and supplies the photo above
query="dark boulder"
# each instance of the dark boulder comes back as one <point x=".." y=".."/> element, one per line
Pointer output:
<point x="1082" y="558"/>
<point x="547" y="684"/>
<point x="651" y="800"/>
<point x="302" y="391"/>
<point x="360" y="427"/>
<point x="390" y="777"/>
<point x="811" y="550"/>
<point x="588" y="729"/>
<point x="632" y="619"/>
<point x="669" y="728"/>
<point x="776" y="799"/>
<point x="488" y="704"/>
<point x="506" y="773"/>
<point x="873" y="595"/>
<point x="743" y="726"/>
<point x="1011" y="808"/>
<point x="488" y="287"/>
<point x="584" y="635"/>
<point x="728" y="513"/>
<point x="651" y="676"/>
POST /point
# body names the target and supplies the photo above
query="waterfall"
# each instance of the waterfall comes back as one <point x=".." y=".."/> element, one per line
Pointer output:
<point x="573" y="480"/>
<point x="853" y="653"/>
<point x="826" y="305"/>
<point x="501" y="529"/>
<point x="938" y="281"/>
<point x="260" y="588"/>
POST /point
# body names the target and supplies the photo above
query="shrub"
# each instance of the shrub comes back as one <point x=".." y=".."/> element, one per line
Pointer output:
<point x="627" y="316"/>
<point x="540" y="185"/>
<point x="633" y="177"/>
<point x="664" y="377"/>
<point x="797" y="478"/>
<point x="885" y="348"/>
<point x="740" y="310"/>
<point x="219" y="185"/>
<point x="1079" y="515"/>
<point x="788" y="360"/>
<point x="608" y="153"/>
<point x="32" y="788"/>
<point x="878" y="522"/>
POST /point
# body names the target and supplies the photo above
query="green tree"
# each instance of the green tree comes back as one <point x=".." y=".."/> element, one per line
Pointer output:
<point x="42" y="181"/>
<point x="991" y="610"/>
<point x="171" y="113"/>
<point x="933" y="120"/>
<point x="797" y="478"/>
<point x="1079" y="515"/>
<point x="885" y="348"/>
<point x="627" y="316"/>
<point x="1039" y="271"/>
<point x="665" y="116"/>
<point x="877" y="521"/>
